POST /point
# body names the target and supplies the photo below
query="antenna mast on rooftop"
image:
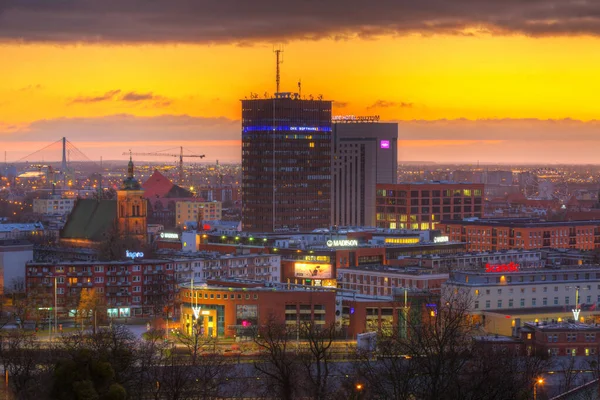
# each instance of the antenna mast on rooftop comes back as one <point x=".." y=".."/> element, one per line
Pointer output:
<point x="279" y="60"/>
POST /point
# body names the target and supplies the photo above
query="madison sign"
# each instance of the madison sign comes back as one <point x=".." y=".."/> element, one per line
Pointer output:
<point x="342" y="243"/>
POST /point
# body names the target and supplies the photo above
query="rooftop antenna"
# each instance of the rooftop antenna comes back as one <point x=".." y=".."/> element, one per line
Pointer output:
<point x="279" y="60"/>
<point x="300" y="88"/>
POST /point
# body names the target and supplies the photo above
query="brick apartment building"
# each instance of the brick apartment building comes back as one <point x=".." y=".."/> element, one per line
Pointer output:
<point x="561" y="338"/>
<point x="524" y="234"/>
<point x="127" y="289"/>
<point x="422" y="205"/>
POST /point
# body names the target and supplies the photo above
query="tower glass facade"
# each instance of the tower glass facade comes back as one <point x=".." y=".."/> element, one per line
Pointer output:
<point x="286" y="164"/>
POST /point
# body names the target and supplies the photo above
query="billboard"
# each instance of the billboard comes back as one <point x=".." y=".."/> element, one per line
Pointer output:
<point x="312" y="270"/>
<point x="246" y="315"/>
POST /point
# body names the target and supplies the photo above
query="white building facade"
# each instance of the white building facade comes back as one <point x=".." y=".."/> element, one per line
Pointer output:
<point x="54" y="205"/>
<point x="506" y="288"/>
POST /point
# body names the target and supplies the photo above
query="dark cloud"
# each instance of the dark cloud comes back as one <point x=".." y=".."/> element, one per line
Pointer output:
<point x="245" y="22"/>
<point x="96" y="99"/>
<point x="389" y="104"/>
<point x="31" y="88"/>
<point x="133" y="96"/>
<point x="128" y="97"/>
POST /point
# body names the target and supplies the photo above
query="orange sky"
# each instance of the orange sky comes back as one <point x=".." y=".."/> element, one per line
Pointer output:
<point x="107" y="98"/>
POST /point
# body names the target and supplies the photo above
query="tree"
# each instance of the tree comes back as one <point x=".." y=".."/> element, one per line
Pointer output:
<point x="277" y="364"/>
<point x="90" y="303"/>
<point x="27" y="364"/>
<point x="208" y="367"/>
<point x="437" y="357"/>
<point x="316" y="357"/>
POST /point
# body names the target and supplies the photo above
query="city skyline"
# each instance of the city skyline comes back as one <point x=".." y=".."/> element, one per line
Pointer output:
<point x="467" y="83"/>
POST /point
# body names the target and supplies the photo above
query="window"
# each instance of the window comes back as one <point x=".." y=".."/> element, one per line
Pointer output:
<point x="476" y="292"/>
<point x="545" y="289"/>
<point x="137" y="289"/>
<point x="567" y="300"/>
<point x="533" y="302"/>
<point x="590" y="337"/>
<point x="499" y="291"/>
<point x="476" y="304"/>
<point x="487" y="304"/>
<point x="98" y="268"/>
<point x="136" y="268"/>
<point x="510" y="302"/>
<point x="499" y="303"/>
<point x="522" y="302"/>
<point x="545" y="301"/>
<point x="136" y="278"/>
<point x="556" y="301"/>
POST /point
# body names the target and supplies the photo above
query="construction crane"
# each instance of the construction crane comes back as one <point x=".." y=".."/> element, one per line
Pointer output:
<point x="180" y="155"/>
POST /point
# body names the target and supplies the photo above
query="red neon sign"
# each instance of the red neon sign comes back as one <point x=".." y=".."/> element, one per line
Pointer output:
<point x="510" y="267"/>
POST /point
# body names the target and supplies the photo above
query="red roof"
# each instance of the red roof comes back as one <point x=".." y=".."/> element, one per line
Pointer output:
<point x="157" y="186"/>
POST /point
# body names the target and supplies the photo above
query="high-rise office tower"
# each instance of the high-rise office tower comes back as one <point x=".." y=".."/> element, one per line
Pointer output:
<point x="365" y="153"/>
<point x="286" y="164"/>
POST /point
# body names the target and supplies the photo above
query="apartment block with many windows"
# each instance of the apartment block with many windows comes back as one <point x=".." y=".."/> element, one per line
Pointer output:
<point x="197" y="210"/>
<point x="422" y="205"/>
<point x="524" y="234"/>
<point x="126" y="289"/>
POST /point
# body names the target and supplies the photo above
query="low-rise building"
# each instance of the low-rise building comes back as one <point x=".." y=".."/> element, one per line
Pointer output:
<point x="53" y="205"/>
<point x="14" y="255"/>
<point x="234" y="308"/>
<point x="20" y="231"/>
<point x="523" y="233"/>
<point x="474" y="260"/>
<point x="197" y="210"/>
<point x="501" y="294"/>
<point x="127" y="288"/>
<point x="203" y="266"/>
<point x="383" y="280"/>
<point x="561" y="338"/>
<point x="422" y="205"/>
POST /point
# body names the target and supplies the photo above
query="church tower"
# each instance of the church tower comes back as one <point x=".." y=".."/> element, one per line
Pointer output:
<point x="132" y="208"/>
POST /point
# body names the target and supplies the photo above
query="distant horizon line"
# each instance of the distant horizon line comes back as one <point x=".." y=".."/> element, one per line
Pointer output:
<point x="412" y="163"/>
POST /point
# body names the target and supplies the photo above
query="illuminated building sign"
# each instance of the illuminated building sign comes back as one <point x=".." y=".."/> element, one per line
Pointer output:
<point x="168" y="235"/>
<point x="384" y="144"/>
<point x="312" y="270"/>
<point x="405" y="240"/>
<point x="133" y="254"/>
<point x="287" y="128"/>
<point x="510" y="267"/>
<point x="354" y="118"/>
<point x="342" y="243"/>
<point x="441" y="239"/>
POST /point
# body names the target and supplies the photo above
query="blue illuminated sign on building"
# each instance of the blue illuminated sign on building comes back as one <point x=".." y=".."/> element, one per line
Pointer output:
<point x="287" y="128"/>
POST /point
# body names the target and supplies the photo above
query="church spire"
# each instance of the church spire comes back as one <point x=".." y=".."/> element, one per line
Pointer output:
<point x="130" y="183"/>
<point x="130" y="166"/>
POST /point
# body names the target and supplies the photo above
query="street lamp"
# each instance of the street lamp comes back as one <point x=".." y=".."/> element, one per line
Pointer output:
<point x="538" y="381"/>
